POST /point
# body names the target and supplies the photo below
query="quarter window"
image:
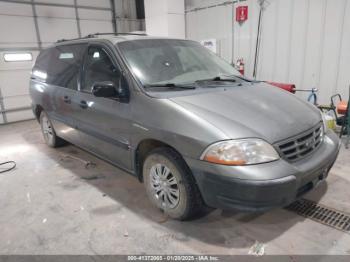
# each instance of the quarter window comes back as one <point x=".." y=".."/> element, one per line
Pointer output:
<point x="98" y="68"/>
<point x="60" y="65"/>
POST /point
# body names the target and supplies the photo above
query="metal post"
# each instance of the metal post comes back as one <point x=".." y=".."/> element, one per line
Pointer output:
<point x="77" y="17"/>
<point x="114" y="15"/>
<point x="257" y="45"/>
<point x="233" y="33"/>
<point x="35" y="17"/>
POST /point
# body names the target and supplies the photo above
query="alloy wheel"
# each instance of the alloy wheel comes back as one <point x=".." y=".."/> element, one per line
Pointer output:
<point x="47" y="129"/>
<point x="165" y="186"/>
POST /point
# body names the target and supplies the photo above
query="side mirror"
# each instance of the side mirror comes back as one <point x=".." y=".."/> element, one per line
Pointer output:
<point x="108" y="89"/>
<point x="104" y="89"/>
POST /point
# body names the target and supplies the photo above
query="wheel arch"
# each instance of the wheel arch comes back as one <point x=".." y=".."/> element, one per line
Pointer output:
<point x="37" y="111"/>
<point x="143" y="148"/>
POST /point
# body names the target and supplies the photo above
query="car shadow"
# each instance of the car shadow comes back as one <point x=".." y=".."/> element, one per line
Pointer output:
<point x="226" y="228"/>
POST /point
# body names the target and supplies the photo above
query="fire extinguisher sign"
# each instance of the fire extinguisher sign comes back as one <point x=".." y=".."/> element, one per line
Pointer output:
<point x="241" y="13"/>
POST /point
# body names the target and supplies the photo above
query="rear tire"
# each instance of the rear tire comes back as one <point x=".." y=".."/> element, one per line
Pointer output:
<point x="48" y="132"/>
<point x="170" y="185"/>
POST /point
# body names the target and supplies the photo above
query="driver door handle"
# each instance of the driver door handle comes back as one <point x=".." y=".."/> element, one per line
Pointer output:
<point x="83" y="104"/>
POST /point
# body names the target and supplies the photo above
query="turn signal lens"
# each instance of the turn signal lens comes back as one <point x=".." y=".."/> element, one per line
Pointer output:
<point x="240" y="152"/>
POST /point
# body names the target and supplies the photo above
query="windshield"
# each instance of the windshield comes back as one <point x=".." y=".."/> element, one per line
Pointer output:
<point x="157" y="61"/>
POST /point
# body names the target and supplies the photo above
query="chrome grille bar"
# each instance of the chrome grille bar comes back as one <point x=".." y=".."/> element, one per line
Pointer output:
<point x="297" y="147"/>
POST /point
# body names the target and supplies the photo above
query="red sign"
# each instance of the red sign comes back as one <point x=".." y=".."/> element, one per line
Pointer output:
<point x="241" y="13"/>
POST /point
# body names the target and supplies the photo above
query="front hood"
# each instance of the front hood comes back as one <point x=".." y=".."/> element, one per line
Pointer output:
<point x="252" y="110"/>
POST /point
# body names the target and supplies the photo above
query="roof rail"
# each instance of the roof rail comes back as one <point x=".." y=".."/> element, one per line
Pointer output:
<point x="97" y="34"/>
<point x="84" y="37"/>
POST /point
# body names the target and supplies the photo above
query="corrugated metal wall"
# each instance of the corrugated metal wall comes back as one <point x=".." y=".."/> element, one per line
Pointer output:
<point x="28" y="25"/>
<point x="305" y="42"/>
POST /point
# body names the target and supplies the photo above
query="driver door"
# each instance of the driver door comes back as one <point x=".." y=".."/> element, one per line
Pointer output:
<point x="103" y="123"/>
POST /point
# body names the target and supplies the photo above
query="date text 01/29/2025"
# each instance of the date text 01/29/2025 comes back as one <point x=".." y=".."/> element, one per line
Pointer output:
<point x="172" y="258"/>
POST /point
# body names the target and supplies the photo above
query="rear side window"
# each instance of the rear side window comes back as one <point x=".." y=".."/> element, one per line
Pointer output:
<point x="60" y="65"/>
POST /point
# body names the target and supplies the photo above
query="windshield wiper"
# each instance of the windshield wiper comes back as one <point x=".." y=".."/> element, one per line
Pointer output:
<point x="218" y="78"/>
<point x="229" y="78"/>
<point x="248" y="79"/>
<point x="171" y="86"/>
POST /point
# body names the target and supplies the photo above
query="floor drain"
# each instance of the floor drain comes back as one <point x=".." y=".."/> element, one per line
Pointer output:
<point x="322" y="214"/>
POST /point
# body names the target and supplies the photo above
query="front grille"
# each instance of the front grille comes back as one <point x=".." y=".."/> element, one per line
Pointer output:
<point x="297" y="147"/>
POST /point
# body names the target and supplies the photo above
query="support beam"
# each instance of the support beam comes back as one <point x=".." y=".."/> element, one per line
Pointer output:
<point x="114" y="15"/>
<point x="37" y="32"/>
<point x="77" y="17"/>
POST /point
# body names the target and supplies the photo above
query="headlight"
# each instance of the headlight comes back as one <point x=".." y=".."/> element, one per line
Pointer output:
<point x="240" y="152"/>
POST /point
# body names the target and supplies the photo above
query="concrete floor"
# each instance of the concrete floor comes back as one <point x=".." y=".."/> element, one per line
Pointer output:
<point x="48" y="205"/>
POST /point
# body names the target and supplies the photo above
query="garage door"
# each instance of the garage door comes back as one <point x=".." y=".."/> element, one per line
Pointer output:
<point x="27" y="26"/>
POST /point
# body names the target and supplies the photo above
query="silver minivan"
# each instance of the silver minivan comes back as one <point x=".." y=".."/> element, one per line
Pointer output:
<point x="183" y="121"/>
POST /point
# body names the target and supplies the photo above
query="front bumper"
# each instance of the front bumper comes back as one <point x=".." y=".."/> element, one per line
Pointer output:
<point x="264" y="186"/>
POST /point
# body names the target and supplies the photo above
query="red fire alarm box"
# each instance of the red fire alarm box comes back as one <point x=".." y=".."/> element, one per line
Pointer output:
<point x="241" y="13"/>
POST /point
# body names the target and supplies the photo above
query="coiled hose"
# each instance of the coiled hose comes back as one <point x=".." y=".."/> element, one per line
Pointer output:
<point x="12" y="163"/>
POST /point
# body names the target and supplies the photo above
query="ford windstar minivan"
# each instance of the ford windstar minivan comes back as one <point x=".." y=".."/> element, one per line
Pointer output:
<point x="183" y="121"/>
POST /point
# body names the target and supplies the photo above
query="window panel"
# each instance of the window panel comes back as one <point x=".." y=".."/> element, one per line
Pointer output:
<point x="98" y="68"/>
<point x="60" y="65"/>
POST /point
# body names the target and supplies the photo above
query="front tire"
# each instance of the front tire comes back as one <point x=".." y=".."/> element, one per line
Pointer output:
<point x="48" y="132"/>
<point x="170" y="184"/>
